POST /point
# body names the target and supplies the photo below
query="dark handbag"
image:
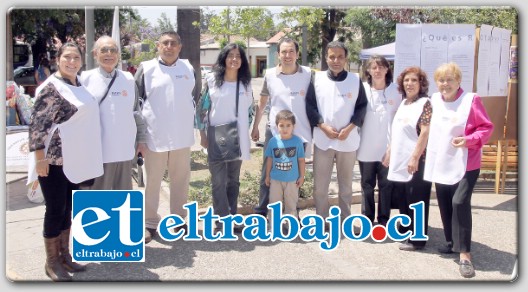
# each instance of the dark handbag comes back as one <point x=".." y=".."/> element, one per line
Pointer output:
<point x="223" y="140"/>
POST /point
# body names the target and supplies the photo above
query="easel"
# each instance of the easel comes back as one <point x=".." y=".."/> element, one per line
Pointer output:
<point x="509" y="138"/>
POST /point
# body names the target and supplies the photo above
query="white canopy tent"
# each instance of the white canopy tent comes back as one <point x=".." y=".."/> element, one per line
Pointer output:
<point x="388" y="51"/>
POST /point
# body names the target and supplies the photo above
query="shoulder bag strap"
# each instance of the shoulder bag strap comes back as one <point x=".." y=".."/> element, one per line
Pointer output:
<point x="108" y="88"/>
<point x="237" y="89"/>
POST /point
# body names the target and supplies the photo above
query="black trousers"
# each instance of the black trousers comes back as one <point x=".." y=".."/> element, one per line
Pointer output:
<point x="262" y="207"/>
<point x="370" y="171"/>
<point x="57" y="191"/>
<point x="414" y="191"/>
<point x="454" y="202"/>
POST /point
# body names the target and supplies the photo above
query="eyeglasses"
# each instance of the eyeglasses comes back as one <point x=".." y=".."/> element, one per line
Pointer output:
<point x="104" y="50"/>
<point x="167" y="43"/>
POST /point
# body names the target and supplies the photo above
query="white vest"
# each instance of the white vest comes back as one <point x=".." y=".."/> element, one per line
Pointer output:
<point x="169" y="108"/>
<point x="118" y="126"/>
<point x="445" y="163"/>
<point x="336" y="102"/>
<point x="404" y="139"/>
<point x="223" y="104"/>
<point x="375" y="132"/>
<point x="289" y="92"/>
<point x="80" y="136"/>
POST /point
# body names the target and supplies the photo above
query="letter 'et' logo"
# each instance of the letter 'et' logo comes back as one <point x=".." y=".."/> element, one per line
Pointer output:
<point x="108" y="226"/>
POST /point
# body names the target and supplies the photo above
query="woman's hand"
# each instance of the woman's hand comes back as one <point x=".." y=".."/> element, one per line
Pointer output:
<point x="42" y="167"/>
<point x="412" y="167"/>
<point x="386" y="158"/>
<point x="458" y="142"/>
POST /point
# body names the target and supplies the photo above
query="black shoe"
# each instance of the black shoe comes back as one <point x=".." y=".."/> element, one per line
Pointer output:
<point x="466" y="269"/>
<point x="184" y="227"/>
<point x="238" y="229"/>
<point x="150" y="233"/>
<point x="410" y="247"/>
<point x="447" y="248"/>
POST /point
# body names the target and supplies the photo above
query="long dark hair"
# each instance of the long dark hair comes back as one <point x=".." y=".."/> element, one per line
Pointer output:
<point x="380" y="61"/>
<point x="219" y="67"/>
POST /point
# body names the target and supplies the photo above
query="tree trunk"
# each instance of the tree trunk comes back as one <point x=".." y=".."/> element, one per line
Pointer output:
<point x="38" y="49"/>
<point x="190" y="37"/>
<point x="328" y="32"/>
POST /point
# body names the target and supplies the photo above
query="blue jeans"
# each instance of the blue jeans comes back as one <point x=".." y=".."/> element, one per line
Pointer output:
<point x="225" y="179"/>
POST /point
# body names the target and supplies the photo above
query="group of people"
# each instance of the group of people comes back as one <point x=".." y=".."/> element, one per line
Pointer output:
<point x="409" y="142"/>
<point x="385" y="126"/>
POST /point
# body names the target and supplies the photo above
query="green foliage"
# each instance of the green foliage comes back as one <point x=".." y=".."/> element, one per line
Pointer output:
<point x="200" y="189"/>
<point x="125" y="54"/>
<point x="377" y="26"/>
<point x="201" y="192"/>
<point x="307" y="187"/>
<point x="144" y="56"/>
<point x="248" y="22"/>
<point x="164" y="24"/>
<point x="323" y="25"/>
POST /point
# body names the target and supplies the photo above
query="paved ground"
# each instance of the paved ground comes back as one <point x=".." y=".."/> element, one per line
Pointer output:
<point x="495" y="251"/>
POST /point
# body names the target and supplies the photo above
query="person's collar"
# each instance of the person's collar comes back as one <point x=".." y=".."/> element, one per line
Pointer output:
<point x="279" y="70"/>
<point x="106" y="74"/>
<point x="67" y="81"/>
<point x="457" y="95"/>
<point x="340" y="77"/>
<point x="160" y="60"/>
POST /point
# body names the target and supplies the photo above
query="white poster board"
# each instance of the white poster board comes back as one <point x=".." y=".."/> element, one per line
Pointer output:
<point x="461" y="50"/>
<point x="483" y="70"/>
<point x="408" y="45"/>
<point x="494" y="62"/>
<point x="435" y="38"/>
<point x="504" y="61"/>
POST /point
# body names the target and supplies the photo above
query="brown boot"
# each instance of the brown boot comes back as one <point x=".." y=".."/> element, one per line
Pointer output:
<point x="53" y="267"/>
<point x="65" y="256"/>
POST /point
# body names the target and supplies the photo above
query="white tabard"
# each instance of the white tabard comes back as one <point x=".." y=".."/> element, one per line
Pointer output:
<point x="404" y="139"/>
<point x="80" y="136"/>
<point x="375" y="132"/>
<point x="223" y="104"/>
<point x="445" y="163"/>
<point x="289" y="92"/>
<point x="169" y="108"/>
<point x="118" y="126"/>
<point x="336" y="102"/>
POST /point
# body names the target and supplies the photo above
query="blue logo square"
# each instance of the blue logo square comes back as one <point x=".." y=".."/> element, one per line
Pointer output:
<point x="108" y="226"/>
